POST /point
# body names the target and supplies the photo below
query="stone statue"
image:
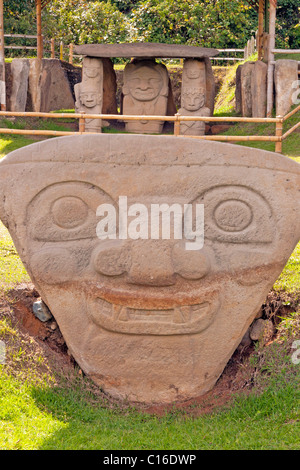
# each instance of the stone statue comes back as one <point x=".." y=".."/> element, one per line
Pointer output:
<point x="193" y="104"/>
<point x="89" y="93"/>
<point x="146" y="318"/>
<point x="145" y="90"/>
<point x="193" y="96"/>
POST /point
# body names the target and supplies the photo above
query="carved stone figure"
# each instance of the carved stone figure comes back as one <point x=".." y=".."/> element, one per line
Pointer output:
<point x="146" y="318"/>
<point x="193" y="104"/>
<point x="145" y="90"/>
<point x="193" y="96"/>
<point x="89" y="93"/>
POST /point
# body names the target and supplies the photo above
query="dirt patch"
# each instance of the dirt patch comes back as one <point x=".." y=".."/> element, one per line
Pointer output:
<point x="46" y="338"/>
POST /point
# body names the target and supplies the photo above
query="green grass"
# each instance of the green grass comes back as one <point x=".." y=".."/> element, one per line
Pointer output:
<point x="70" y="416"/>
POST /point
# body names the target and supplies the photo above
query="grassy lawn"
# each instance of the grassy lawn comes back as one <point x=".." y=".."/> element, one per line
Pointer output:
<point x="44" y="406"/>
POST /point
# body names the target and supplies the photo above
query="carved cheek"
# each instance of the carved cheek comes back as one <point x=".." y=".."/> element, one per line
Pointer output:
<point x="53" y="265"/>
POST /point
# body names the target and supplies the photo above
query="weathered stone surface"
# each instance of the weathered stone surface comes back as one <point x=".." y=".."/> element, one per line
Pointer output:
<point x="144" y="50"/>
<point x="259" y="89"/>
<point x="210" y="86"/>
<point x="145" y="91"/>
<point x="238" y="90"/>
<point x="109" y="105"/>
<point x="286" y="82"/>
<point x="262" y="330"/>
<point x="49" y="87"/>
<point x="147" y="319"/>
<point x="246" y="89"/>
<point x="20" y="72"/>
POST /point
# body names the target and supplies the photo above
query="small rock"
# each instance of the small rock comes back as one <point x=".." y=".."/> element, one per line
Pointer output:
<point x="41" y="311"/>
<point x="262" y="330"/>
<point x="259" y="313"/>
<point x="246" y="340"/>
<point x="53" y="325"/>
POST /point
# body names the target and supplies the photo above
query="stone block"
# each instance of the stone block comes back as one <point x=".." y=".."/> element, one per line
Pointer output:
<point x="259" y="89"/>
<point x="146" y="318"/>
<point x="286" y="83"/>
<point x="19" y="73"/>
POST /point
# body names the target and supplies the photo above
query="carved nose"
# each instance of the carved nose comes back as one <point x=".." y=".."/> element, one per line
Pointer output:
<point x="151" y="264"/>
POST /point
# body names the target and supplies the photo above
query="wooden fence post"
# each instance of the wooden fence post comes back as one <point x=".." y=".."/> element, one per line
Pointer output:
<point x="52" y="49"/>
<point x="81" y="125"/>
<point x="279" y="127"/>
<point x="39" y="29"/>
<point x="70" y="53"/>
<point x="270" y="79"/>
<point x="61" y="51"/>
<point x="177" y="125"/>
<point x="2" y="62"/>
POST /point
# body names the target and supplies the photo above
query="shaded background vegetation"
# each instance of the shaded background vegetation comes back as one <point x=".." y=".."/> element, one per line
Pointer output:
<point x="210" y="23"/>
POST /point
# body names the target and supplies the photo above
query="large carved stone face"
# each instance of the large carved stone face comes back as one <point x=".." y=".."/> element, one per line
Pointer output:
<point x="147" y="318"/>
<point x="144" y="83"/>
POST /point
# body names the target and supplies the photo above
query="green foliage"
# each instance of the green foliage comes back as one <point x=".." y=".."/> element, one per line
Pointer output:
<point x="80" y="21"/>
<point x="209" y="23"/>
<point x="288" y="24"/>
<point x="19" y="17"/>
<point x="203" y="22"/>
<point x="125" y="6"/>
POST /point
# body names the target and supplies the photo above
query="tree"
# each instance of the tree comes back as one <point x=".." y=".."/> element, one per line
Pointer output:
<point x="81" y="21"/>
<point x="207" y="23"/>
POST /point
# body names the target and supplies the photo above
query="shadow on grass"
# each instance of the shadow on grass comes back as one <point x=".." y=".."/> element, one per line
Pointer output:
<point x="246" y="425"/>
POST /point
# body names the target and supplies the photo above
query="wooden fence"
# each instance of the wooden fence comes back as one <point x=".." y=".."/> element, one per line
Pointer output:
<point x="18" y="37"/>
<point x="277" y="138"/>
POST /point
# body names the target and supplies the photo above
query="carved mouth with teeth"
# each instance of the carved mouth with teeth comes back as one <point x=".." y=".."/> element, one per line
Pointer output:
<point x="179" y="320"/>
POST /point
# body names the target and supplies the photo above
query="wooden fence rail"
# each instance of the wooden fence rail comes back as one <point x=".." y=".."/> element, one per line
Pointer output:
<point x="278" y="138"/>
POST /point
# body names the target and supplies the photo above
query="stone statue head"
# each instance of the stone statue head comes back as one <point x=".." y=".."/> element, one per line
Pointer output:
<point x="194" y="69"/>
<point x="90" y="98"/>
<point x="145" y="81"/>
<point x="92" y="68"/>
<point x="193" y="99"/>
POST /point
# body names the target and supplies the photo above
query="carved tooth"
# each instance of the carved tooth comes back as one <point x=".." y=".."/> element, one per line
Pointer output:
<point x="186" y="313"/>
<point x="123" y="316"/>
<point x="177" y="316"/>
<point x="116" y="309"/>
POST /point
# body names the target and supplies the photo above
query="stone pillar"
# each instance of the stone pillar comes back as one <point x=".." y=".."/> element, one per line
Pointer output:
<point x="89" y="93"/>
<point x="286" y="78"/>
<point x="20" y="73"/>
<point x="193" y="96"/>
<point x="145" y="91"/>
<point x="246" y="76"/>
<point x="251" y="89"/>
<point x="259" y="89"/>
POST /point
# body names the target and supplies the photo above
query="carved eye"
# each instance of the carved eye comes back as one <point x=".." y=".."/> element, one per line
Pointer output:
<point x="233" y="215"/>
<point x="236" y="214"/>
<point x="66" y="211"/>
<point x="69" y="212"/>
